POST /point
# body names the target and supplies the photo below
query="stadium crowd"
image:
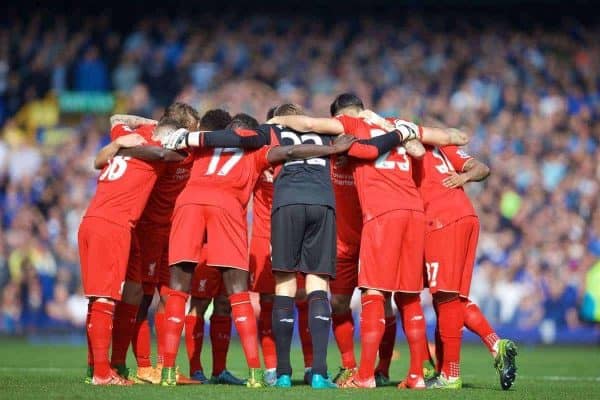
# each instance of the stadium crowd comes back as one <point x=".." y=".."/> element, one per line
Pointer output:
<point x="530" y="98"/>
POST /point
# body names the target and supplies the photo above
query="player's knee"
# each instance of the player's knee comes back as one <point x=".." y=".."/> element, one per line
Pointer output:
<point x="132" y="293"/>
<point x="198" y="306"/>
<point x="340" y="304"/>
<point x="316" y="282"/>
<point x="235" y="280"/>
<point x="444" y="297"/>
<point x="221" y="305"/>
<point x="181" y="276"/>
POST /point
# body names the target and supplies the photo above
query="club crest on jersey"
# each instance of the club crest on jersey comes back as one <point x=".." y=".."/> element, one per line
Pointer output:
<point x="202" y="285"/>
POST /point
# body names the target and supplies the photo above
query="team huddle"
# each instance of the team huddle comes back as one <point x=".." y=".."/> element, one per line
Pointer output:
<point x="351" y="201"/>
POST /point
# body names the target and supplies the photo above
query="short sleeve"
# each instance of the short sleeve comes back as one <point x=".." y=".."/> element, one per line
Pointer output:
<point x="260" y="158"/>
<point x="350" y="124"/>
<point x="458" y="157"/>
<point x="120" y="130"/>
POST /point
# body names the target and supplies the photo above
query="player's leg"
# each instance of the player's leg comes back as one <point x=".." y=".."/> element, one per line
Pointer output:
<point x="262" y="282"/>
<point x="194" y="336"/>
<point x="126" y="310"/>
<point x="283" y="324"/>
<point x="386" y="348"/>
<point x="185" y="252"/>
<point x="319" y="323"/>
<point x="342" y="288"/>
<point x="220" y="337"/>
<point x="103" y="250"/>
<point x="301" y="301"/>
<point x="141" y="339"/>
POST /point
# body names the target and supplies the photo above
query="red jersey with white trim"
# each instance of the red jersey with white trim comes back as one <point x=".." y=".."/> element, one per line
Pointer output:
<point x="224" y="177"/>
<point x="125" y="183"/>
<point x="261" y="208"/>
<point x="385" y="184"/>
<point x="167" y="188"/>
<point x="348" y="215"/>
<point x="442" y="205"/>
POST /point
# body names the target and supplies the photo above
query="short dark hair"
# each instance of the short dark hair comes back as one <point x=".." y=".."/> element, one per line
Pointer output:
<point x="271" y="112"/>
<point x="242" y="120"/>
<point x="288" y="109"/>
<point x="345" y="100"/>
<point x="185" y="115"/>
<point x="215" y="119"/>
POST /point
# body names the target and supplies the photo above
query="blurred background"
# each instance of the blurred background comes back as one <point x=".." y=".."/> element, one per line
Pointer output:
<point x="524" y="81"/>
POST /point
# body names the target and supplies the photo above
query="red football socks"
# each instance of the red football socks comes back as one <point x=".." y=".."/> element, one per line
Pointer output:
<point x="194" y="334"/>
<point x="304" y="333"/>
<point x="123" y="327"/>
<point x="265" y="330"/>
<point x="100" y="333"/>
<point x="413" y="323"/>
<point x="372" y="327"/>
<point x="159" y="326"/>
<point x="90" y="354"/>
<point x="245" y="323"/>
<point x="476" y="322"/>
<point x="343" y="330"/>
<point x="141" y="343"/>
<point x="386" y="348"/>
<point x="220" y="336"/>
<point x="174" y="321"/>
<point x="450" y="323"/>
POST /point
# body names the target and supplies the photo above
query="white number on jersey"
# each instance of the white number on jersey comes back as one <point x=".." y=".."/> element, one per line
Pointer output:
<point x="383" y="163"/>
<point x="229" y="164"/>
<point x="445" y="165"/>
<point x="115" y="169"/>
<point x="305" y="138"/>
<point x="432" y="273"/>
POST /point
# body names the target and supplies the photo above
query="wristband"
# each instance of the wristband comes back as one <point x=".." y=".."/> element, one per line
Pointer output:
<point x="193" y="139"/>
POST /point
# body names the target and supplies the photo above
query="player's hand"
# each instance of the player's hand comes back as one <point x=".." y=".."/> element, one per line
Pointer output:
<point x="458" y="137"/>
<point x="176" y="140"/>
<point x="409" y="130"/>
<point x="455" y="181"/>
<point x="131" y="140"/>
<point x="376" y="119"/>
<point x="342" y="143"/>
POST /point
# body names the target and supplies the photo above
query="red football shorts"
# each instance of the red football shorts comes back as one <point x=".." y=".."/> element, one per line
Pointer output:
<point x="261" y="275"/>
<point x="450" y="256"/>
<point x="346" y="273"/>
<point x="207" y="282"/>
<point x="224" y="235"/>
<point x="103" y="252"/>
<point x="391" y="252"/>
<point x="148" y="259"/>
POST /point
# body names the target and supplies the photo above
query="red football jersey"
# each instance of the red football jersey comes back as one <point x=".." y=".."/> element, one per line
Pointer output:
<point x="168" y="186"/>
<point x="385" y="184"/>
<point x="348" y="215"/>
<point x="263" y="201"/>
<point x="124" y="184"/>
<point x="442" y="205"/>
<point x="224" y="177"/>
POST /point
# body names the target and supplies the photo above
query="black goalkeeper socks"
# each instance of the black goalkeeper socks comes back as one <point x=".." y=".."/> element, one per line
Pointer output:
<point x="283" y="329"/>
<point x="319" y="323"/>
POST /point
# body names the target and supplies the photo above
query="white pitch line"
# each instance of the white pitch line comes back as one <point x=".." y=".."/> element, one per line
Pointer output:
<point x="39" y="369"/>
<point x="559" y="378"/>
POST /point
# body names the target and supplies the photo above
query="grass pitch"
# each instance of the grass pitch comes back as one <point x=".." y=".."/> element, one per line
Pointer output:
<point x="56" y="372"/>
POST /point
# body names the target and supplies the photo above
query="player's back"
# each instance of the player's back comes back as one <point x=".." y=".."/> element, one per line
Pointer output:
<point x="302" y="181"/>
<point x="224" y="177"/>
<point x="168" y="186"/>
<point x="385" y="184"/>
<point x="262" y="203"/>
<point x="124" y="184"/>
<point x="441" y="203"/>
<point x="347" y="206"/>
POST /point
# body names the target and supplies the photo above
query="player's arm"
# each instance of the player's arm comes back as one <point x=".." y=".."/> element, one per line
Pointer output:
<point x="443" y="136"/>
<point x="132" y="121"/>
<point x="111" y="149"/>
<point x="303" y="123"/>
<point x="473" y="171"/>
<point x="242" y="138"/>
<point x="152" y="153"/>
<point x="409" y="132"/>
<point x="371" y="149"/>
<point x="280" y="154"/>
